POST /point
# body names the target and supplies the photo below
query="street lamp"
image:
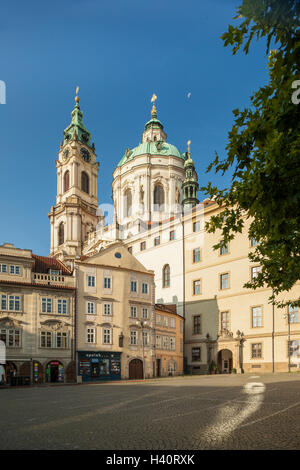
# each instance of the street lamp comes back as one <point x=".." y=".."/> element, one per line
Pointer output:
<point x="142" y="323"/>
<point x="289" y="315"/>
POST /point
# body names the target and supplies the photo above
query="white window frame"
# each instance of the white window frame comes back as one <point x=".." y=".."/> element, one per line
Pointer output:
<point x="91" y="280"/>
<point x="158" y="341"/>
<point x="14" y="300"/>
<point x="11" y="333"/>
<point x="133" y="335"/>
<point x="132" y="283"/>
<point x="3" y="268"/>
<point x="64" y="306"/>
<point x="146" y="338"/>
<point x="105" y="305"/>
<point x="64" y="340"/>
<point x="145" y="285"/>
<point x="172" y="343"/>
<point x="145" y="313"/>
<point x="107" y="335"/>
<point x="46" y="301"/>
<point x="46" y="335"/>
<point x="256" y="319"/>
<point x="133" y="308"/>
<point x="89" y="310"/>
<point x="13" y="268"/>
<point x="4" y="302"/>
<point x="109" y="282"/>
<point x="90" y="334"/>
<point x="254" y="271"/>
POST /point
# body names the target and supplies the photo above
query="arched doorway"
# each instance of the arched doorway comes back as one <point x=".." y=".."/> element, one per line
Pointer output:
<point x="225" y="361"/>
<point x="136" y="369"/>
<point x="55" y="372"/>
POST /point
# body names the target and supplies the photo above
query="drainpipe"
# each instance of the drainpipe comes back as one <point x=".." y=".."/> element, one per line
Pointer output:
<point x="273" y="334"/>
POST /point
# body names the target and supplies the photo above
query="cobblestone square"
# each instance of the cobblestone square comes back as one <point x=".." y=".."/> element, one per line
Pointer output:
<point x="199" y="412"/>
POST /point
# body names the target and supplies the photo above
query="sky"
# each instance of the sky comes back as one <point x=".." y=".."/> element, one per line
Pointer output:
<point x="119" y="53"/>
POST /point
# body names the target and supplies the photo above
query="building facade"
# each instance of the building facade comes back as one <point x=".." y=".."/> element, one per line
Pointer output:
<point x="233" y="326"/>
<point x="157" y="215"/>
<point x="115" y="316"/>
<point x="36" y="317"/>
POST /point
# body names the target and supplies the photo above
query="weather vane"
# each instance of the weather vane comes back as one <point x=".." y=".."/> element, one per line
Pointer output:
<point x="77" y="97"/>
<point x="153" y="99"/>
<point x="189" y="146"/>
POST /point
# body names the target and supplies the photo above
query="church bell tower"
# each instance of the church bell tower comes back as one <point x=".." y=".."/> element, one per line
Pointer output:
<point x="75" y="214"/>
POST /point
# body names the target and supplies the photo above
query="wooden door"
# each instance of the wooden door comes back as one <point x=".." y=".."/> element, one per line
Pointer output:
<point x="136" y="369"/>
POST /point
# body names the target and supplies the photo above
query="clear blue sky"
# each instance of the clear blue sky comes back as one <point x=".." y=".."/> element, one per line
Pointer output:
<point x="119" y="52"/>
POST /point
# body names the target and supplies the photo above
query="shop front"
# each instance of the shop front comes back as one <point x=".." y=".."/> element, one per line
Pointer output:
<point x="98" y="366"/>
<point x="55" y="372"/>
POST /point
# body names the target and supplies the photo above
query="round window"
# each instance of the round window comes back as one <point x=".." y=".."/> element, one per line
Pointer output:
<point x="118" y="255"/>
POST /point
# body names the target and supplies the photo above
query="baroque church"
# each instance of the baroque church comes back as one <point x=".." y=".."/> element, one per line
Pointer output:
<point x="152" y="185"/>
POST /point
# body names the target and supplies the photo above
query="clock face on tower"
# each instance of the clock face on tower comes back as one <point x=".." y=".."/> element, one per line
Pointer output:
<point x="65" y="154"/>
<point x="85" y="154"/>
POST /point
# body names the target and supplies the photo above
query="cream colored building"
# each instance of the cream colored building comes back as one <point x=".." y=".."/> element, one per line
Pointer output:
<point x="115" y="316"/>
<point x="239" y="321"/>
<point x="36" y="316"/>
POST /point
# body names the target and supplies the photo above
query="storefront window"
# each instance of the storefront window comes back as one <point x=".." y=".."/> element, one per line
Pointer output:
<point x="99" y="365"/>
<point x="104" y="367"/>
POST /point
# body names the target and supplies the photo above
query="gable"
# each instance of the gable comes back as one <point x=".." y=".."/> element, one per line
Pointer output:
<point x="117" y="255"/>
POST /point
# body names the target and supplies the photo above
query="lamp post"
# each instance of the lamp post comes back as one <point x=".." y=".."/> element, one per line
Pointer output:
<point x="142" y="323"/>
<point x="289" y="315"/>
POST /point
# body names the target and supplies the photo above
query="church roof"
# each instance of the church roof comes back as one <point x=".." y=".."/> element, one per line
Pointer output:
<point x="153" y="148"/>
<point x="77" y="130"/>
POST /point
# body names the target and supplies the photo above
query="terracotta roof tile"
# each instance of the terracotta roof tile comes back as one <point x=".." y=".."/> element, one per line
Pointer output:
<point x="44" y="263"/>
<point x="170" y="308"/>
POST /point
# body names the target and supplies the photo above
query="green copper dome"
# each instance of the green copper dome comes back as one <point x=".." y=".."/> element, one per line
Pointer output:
<point x="189" y="162"/>
<point x="152" y="148"/>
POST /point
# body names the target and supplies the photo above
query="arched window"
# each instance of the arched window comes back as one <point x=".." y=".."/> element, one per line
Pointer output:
<point x="128" y="203"/>
<point x="166" y="276"/>
<point x="61" y="235"/>
<point x="66" y="181"/>
<point x="85" y="182"/>
<point x="158" y="197"/>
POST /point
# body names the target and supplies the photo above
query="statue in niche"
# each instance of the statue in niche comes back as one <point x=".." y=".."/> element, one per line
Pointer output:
<point x="177" y="196"/>
<point x="142" y="198"/>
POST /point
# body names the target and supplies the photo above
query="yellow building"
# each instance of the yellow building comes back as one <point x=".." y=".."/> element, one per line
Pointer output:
<point x="169" y="327"/>
<point x="115" y="316"/>
<point x="36" y="317"/>
<point x="225" y="322"/>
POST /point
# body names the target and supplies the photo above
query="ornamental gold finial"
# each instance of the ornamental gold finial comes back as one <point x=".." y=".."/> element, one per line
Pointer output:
<point x="153" y="99"/>
<point x="77" y="97"/>
<point x="189" y="146"/>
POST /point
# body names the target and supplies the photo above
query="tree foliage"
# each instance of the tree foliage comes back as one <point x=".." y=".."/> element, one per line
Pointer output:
<point x="263" y="150"/>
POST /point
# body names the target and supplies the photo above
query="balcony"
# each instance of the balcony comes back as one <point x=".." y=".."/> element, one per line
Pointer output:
<point x="53" y="280"/>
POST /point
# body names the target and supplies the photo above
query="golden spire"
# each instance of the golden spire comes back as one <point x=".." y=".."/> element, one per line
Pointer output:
<point x="189" y="146"/>
<point x="153" y="99"/>
<point x="77" y="97"/>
